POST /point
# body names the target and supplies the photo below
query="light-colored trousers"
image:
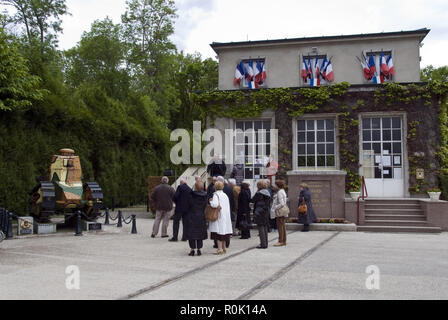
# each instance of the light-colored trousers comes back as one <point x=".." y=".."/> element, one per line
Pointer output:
<point x="161" y="216"/>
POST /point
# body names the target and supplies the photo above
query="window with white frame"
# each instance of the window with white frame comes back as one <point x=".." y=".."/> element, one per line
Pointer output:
<point x="253" y="146"/>
<point x="316" y="144"/>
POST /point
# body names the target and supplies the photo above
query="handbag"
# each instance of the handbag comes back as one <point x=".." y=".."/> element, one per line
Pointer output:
<point x="302" y="208"/>
<point x="212" y="214"/>
<point x="283" y="211"/>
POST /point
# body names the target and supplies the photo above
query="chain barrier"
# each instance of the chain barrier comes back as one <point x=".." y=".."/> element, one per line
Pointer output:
<point x="6" y="219"/>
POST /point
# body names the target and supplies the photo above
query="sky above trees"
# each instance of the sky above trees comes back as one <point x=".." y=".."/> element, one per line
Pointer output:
<point x="201" y="22"/>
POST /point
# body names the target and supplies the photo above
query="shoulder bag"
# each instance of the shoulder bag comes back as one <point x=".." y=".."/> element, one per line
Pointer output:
<point x="283" y="211"/>
<point x="212" y="214"/>
<point x="303" y="208"/>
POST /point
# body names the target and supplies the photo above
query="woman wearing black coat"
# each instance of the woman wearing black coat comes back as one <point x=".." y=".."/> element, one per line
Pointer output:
<point x="310" y="216"/>
<point x="196" y="226"/>
<point x="262" y="200"/>
<point x="243" y="214"/>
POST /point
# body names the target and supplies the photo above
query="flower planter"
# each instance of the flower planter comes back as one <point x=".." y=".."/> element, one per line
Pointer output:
<point x="434" y="195"/>
<point x="355" y="195"/>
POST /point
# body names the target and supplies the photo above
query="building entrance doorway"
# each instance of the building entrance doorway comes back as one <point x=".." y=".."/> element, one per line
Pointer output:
<point x="382" y="156"/>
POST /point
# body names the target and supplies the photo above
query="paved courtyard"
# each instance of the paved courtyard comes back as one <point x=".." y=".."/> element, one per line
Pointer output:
<point x="115" y="264"/>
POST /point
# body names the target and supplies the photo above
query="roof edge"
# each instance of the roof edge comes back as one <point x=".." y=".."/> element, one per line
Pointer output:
<point x="423" y="32"/>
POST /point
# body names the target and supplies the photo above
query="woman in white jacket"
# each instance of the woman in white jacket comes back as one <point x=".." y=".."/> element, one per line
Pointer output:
<point x="280" y="201"/>
<point x="221" y="229"/>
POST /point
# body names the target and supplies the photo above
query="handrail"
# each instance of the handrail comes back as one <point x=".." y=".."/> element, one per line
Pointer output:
<point x="362" y="196"/>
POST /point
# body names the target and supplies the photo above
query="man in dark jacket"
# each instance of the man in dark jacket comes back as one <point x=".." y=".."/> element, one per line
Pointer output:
<point x="181" y="199"/>
<point x="217" y="167"/>
<point x="238" y="173"/>
<point x="211" y="189"/>
<point x="162" y="197"/>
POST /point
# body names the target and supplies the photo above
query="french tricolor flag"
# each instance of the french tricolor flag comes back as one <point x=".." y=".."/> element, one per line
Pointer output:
<point x="257" y="73"/>
<point x="304" y="70"/>
<point x="390" y="65"/>
<point x="323" y="68"/>
<point x="366" y="69"/>
<point x="264" y="74"/>
<point x="239" y="74"/>
<point x="372" y="66"/>
<point x="329" y="74"/>
<point x="317" y="70"/>
<point x="251" y="76"/>
<point x="310" y="68"/>
<point x="384" y="66"/>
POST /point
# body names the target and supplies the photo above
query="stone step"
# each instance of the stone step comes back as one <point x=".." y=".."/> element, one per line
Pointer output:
<point x="394" y="217"/>
<point x="392" y="201"/>
<point x="396" y="211"/>
<point x="403" y="223"/>
<point x="397" y="229"/>
<point x="392" y="206"/>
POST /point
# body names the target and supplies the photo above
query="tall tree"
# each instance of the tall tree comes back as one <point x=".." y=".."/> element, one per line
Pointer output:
<point x="99" y="58"/>
<point x="40" y="18"/>
<point x="18" y="88"/>
<point x="147" y="27"/>
<point x="430" y="73"/>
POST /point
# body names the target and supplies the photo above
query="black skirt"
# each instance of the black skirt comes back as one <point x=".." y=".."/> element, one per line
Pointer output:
<point x="219" y="237"/>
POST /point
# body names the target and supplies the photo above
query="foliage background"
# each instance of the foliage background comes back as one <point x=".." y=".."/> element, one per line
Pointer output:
<point x="113" y="98"/>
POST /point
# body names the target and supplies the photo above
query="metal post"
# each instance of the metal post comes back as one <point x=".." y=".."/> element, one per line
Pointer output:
<point x="78" y="224"/>
<point x="147" y="203"/>
<point x="106" y="220"/>
<point x="113" y="204"/>
<point x="9" y="233"/>
<point x="120" y="218"/>
<point x="134" y="224"/>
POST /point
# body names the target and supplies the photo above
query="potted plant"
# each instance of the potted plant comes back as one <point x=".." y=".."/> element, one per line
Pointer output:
<point x="434" y="193"/>
<point x="355" y="186"/>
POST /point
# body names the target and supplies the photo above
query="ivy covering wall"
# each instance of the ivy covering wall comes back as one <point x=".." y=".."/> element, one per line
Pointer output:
<point x="426" y="107"/>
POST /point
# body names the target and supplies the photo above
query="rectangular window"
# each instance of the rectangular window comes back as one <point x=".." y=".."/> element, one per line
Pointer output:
<point x="316" y="144"/>
<point x="252" y="145"/>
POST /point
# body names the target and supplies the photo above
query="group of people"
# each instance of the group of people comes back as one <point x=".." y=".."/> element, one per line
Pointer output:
<point x="235" y="217"/>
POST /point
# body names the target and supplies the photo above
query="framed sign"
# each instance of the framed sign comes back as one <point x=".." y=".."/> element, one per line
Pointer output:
<point x="420" y="174"/>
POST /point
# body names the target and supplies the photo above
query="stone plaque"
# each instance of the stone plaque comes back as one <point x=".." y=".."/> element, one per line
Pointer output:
<point x="44" y="228"/>
<point x="25" y="226"/>
<point x="320" y="197"/>
<point x="92" y="226"/>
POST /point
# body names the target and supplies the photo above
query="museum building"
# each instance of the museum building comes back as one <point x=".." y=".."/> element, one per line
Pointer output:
<point x="348" y="109"/>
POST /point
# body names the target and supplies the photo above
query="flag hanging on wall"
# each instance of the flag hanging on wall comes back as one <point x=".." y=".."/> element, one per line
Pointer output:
<point x="384" y="67"/>
<point x="390" y="65"/>
<point x="304" y="70"/>
<point x="317" y="71"/>
<point x="250" y="75"/>
<point x="323" y="66"/>
<point x="329" y="74"/>
<point x="253" y="74"/>
<point x="239" y="74"/>
<point x="264" y="74"/>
